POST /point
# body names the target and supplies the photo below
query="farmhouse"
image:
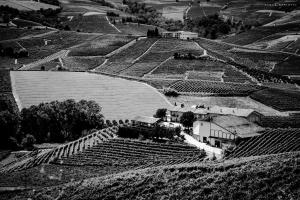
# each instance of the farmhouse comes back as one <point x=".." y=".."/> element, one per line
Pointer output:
<point x="203" y="113"/>
<point x="222" y="131"/>
<point x="143" y="121"/>
<point x="184" y="35"/>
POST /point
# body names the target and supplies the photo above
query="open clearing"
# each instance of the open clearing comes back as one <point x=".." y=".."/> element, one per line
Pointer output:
<point x="119" y="98"/>
<point x="233" y="102"/>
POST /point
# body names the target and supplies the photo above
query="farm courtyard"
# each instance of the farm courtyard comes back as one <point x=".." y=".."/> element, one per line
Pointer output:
<point x="119" y="98"/>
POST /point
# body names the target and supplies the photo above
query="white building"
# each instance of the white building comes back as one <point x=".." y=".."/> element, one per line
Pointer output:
<point x="184" y="35"/>
<point x="221" y="131"/>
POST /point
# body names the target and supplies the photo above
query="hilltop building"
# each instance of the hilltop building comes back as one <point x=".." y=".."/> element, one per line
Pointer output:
<point x="221" y="131"/>
<point x="184" y="35"/>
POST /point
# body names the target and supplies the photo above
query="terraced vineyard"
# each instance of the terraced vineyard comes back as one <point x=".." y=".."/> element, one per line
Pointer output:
<point x="214" y="88"/>
<point x="125" y="58"/>
<point x="283" y="100"/>
<point x="159" y="52"/>
<point x="136" y="154"/>
<point x="280" y="121"/>
<point x="119" y="98"/>
<point x="272" y="141"/>
<point x="36" y="158"/>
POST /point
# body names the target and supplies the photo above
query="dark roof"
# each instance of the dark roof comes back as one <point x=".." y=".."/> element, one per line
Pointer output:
<point x="238" y="125"/>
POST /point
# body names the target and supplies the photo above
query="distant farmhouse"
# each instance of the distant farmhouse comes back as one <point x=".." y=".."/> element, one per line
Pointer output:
<point x="219" y="126"/>
<point x="221" y="131"/>
<point x="184" y="35"/>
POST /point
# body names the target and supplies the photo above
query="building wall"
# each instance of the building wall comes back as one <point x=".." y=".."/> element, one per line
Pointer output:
<point x="202" y="131"/>
<point x="185" y="36"/>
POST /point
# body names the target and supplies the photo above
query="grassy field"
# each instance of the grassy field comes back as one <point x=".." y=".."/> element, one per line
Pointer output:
<point x="91" y="24"/>
<point x="265" y="177"/>
<point x="120" y="99"/>
<point x="101" y="45"/>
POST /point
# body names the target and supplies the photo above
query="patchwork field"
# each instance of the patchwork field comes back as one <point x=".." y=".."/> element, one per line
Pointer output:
<point x="26" y="5"/>
<point x="37" y="49"/>
<point x="146" y="54"/>
<point x="120" y="99"/>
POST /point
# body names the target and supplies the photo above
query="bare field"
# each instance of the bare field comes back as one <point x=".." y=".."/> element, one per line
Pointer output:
<point x="119" y="98"/>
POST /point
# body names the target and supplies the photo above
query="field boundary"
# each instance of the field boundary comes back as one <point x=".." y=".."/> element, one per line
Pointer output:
<point x="14" y="92"/>
<point x="138" y="58"/>
<point x="112" y="25"/>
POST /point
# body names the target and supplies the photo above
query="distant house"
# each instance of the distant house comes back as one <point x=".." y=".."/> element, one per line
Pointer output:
<point x="222" y="131"/>
<point x="147" y="122"/>
<point x="204" y="113"/>
<point x="184" y="35"/>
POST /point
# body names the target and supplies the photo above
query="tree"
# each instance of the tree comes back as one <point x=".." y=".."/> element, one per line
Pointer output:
<point x="28" y="142"/>
<point x="187" y="119"/>
<point x="161" y="113"/>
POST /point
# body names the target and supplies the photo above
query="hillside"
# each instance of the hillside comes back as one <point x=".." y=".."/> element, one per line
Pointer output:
<point x="265" y="177"/>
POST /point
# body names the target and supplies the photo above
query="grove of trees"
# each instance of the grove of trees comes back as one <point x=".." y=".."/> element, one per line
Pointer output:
<point x="49" y="122"/>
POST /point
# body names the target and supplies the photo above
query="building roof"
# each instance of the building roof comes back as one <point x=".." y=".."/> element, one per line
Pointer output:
<point x="230" y="111"/>
<point x="188" y="109"/>
<point x="144" y="119"/>
<point x="186" y="32"/>
<point x="238" y="125"/>
<point x="241" y="112"/>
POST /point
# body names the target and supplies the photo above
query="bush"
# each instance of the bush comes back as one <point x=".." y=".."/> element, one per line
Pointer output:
<point x="28" y="142"/>
<point x="170" y="92"/>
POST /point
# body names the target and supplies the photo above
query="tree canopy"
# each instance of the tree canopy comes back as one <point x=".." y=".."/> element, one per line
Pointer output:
<point x="187" y="119"/>
<point x="60" y="121"/>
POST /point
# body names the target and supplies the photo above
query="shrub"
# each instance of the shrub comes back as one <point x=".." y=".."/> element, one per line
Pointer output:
<point x="170" y="92"/>
<point x="28" y="142"/>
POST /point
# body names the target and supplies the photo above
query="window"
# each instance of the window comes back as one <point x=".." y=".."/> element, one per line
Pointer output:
<point x="205" y="139"/>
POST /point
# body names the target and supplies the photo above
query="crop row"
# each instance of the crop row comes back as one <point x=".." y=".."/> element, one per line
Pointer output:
<point x="66" y="150"/>
<point x="283" y="100"/>
<point x="189" y="86"/>
<point x="138" y="153"/>
<point x="271" y="141"/>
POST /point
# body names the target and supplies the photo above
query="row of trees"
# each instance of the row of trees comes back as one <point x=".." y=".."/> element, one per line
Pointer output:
<point x="158" y="133"/>
<point x="50" y="122"/>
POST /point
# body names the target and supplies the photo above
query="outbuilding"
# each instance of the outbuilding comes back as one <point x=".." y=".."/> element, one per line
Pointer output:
<point x="222" y="131"/>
